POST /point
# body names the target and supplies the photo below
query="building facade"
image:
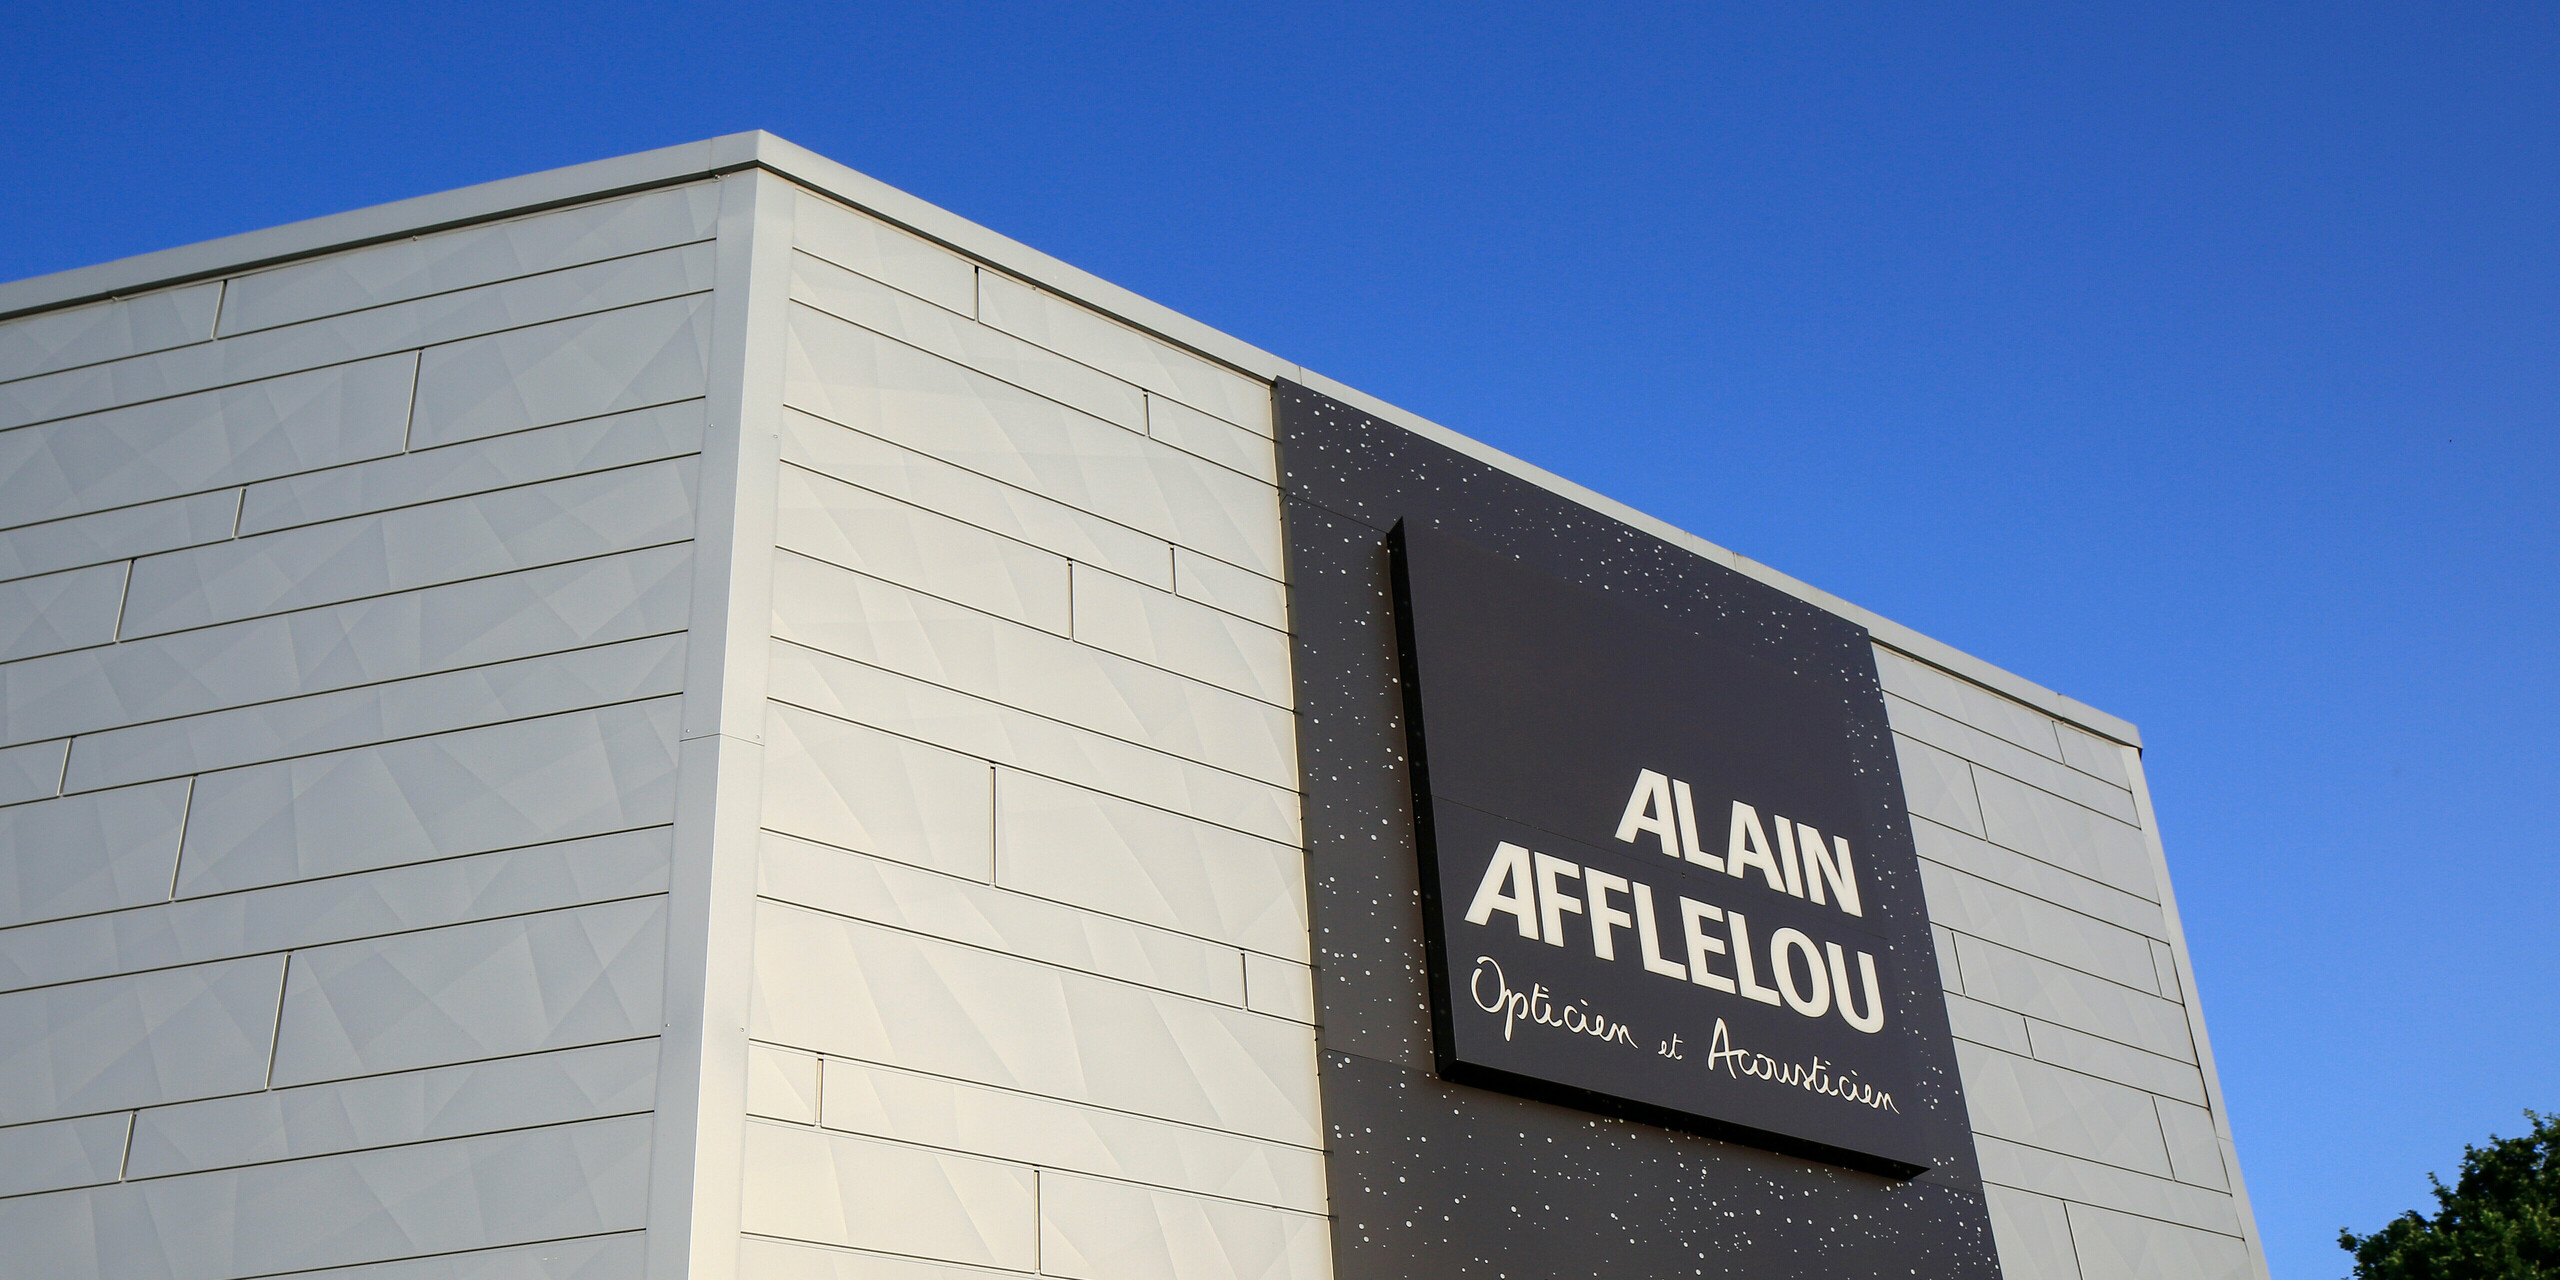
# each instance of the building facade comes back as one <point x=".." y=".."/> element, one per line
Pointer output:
<point x="698" y="716"/>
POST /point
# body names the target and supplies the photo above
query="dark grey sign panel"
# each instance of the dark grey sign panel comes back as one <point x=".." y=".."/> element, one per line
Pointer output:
<point x="1647" y="872"/>
<point x="1430" y="1176"/>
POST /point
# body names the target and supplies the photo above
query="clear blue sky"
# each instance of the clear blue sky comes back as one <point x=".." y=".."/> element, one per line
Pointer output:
<point x="2197" y="361"/>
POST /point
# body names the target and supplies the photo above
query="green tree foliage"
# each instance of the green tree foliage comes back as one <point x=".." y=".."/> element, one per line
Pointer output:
<point x="2499" y="1221"/>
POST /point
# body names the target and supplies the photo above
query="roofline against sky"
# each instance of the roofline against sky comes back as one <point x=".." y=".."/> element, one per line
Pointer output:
<point x="693" y="161"/>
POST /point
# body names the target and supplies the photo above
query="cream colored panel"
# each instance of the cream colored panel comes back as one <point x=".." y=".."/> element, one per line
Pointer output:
<point x="782" y="1084"/>
<point x="1164" y="630"/>
<point x="888" y="626"/>
<point x="1096" y="1230"/>
<point x="833" y="521"/>
<point x="2194" y="1149"/>
<point x="858" y="788"/>
<point x="804" y="1184"/>
<point x="975" y="726"/>
<point x="1281" y="988"/>
<point x="857" y="990"/>
<point x="1106" y="854"/>
<point x="1032" y="928"/>
<point x="902" y="260"/>
<point x="1042" y="1131"/>
<point x="1203" y="436"/>
<point x="1221" y="585"/>
<point x="916" y="478"/>
<point x="1151" y="362"/>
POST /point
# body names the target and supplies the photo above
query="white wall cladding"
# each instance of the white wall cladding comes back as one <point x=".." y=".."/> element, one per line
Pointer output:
<point x="342" y="618"/>
<point x="1030" y="985"/>
<point x="2083" y="1060"/>
<point x="519" y="764"/>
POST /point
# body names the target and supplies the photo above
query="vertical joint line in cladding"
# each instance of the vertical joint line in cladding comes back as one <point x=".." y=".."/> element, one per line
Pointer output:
<point x="124" y="598"/>
<point x="132" y="1121"/>
<point x="186" y="810"/>
<point x="240" y="509"/>
<point x="275" y="1031"/>
<point x="409" y="415"/>
<point x="221" y="297"/>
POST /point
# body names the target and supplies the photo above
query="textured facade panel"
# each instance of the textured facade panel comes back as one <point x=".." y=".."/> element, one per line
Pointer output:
<point x="962" y="414"/>
<point x="1984" y="860"/>
<point x="2110" y="1060"/>
<point x="782" y="1084"/>
<point x="808" y="1185"/>
<point x="2028" y="1101"/>
<point x="73" y="609"/>
<point x="167" y="448"/>
<point x="888" y="626"/>
<point x="74" y="336"/>
<point x="554" y="778"/>
<point x="429" y="475"/>
<point x="360" y="335"/>
<point x="2195" y="1152"/>
<point x="79" y="854"/>
<point x="1032" y="928"/>
<point x="52" y="1156"/>
<point x="2093" y="755"/>
<point x="2113" y="1245"/>
<point x="2044" y="826"/>
<point x="166" y="1036"/>
<point x="1091" y="1229"/>
<point x="340" y="646"/>
<point x="1281" y="988"/>
<point x="336" y="909"/>
<point x="2034" y="1233"/>
<point x="399" y="1202"/>
<point x="935" y="485"/>
<point x="1938" y="786"/>
<point x="1215" y="439"/>
<point x="385" y="1111"/>
<point x="926" y="328"/>
<point x="556" y="980"/>
<point x="1963" y="700"/>
<point x="482" y="535"/>
<point x="439" y="703"/>
<point x="119" y="534"/>
<point x="1125" y="353"/>
<point x="1996" y="754"/>
<point x="856" y="529"/>
<point x="935" y="1112"/>
<point x="2024" y="922"/>
<point x="1034" y="744"/>
<point x="868" y="246"/>
<point x="760" y="1258"/>
<point x="2089" y="1183"/>
<point x="32" y="771"/>
<point x="858" y="788"/>
<point x="575" y="368"/>
<point x="1106" y="854"/>
<point x="1220" y="585"/>
<point x="1985" y="1025"/>
<point x="2044" y="990"/>
<point x="1164" y="630"/>
<point x="468" y="257"/>
<point x="610" y="1257"/>
<point x="857" y="990"/>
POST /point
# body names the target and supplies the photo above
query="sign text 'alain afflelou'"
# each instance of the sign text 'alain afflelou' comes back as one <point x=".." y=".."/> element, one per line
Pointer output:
<point x="1647" y="868"/>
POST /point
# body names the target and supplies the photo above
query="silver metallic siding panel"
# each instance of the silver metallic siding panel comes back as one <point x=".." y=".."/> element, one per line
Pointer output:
<point x="167" y="1036"/>
<point x="87" y="853"/>
<point x="563" y="978"/>
<point x="59" y="1154"/>
<point x="469" y="256"/>
<point x="336" y="909"/>
<point x="100" y="331"/>
<point x="207" y="440"/>
<point x="580" y="774"/>
<point x="397" y="1202"/>
<point x="575" y="368"/>
<point x="385" y="1111"/>
<point x="119" y="534"/>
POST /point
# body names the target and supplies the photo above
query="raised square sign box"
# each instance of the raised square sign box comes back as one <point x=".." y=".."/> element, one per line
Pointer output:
<point x="1653" y="882"/>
